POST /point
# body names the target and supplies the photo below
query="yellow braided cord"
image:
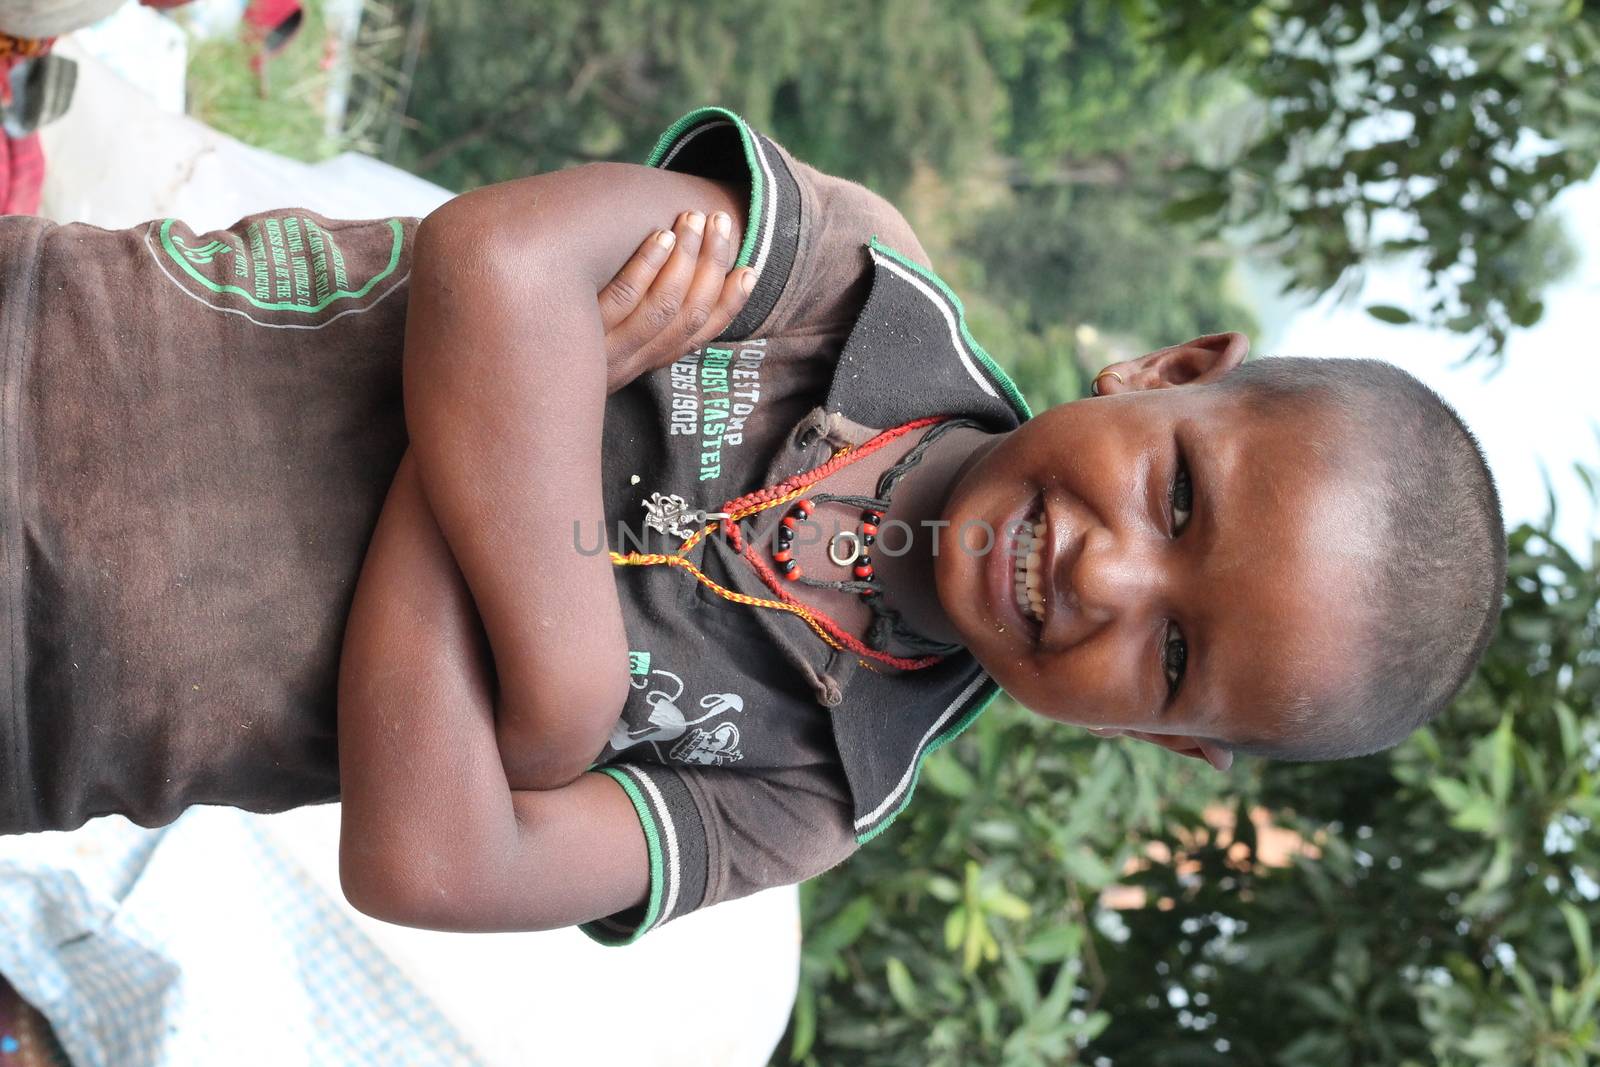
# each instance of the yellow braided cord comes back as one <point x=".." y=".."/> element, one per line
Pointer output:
<point x="645" y="559"/>
<point x="679" y="559"/>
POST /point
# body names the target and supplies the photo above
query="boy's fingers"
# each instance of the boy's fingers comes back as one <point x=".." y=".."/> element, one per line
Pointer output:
<point x="622" y="293"/>
<point x="671" y="345"/>
<point x="657" y="307"/>
<point x="661" y="304"/>
<point x="716" y="256"/>
<point x="731" y="299"/>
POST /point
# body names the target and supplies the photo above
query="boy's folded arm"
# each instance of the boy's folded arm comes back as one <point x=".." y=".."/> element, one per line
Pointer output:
<point x="431" y="833"/>
<point x="504" y="391"/>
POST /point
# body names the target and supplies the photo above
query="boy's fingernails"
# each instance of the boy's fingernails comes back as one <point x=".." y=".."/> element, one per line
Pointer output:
<point x="723" y="223"/>
<point x="696" y="221"/>
<point x="664" y="238"/>
<point x="748" y="282"/>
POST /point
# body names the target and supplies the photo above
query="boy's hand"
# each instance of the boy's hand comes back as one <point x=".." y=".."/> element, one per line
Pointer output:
<point x="673" y="296"/>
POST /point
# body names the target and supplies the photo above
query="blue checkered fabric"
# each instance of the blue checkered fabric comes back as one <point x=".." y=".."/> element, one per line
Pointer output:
<point x="201" y="942"/>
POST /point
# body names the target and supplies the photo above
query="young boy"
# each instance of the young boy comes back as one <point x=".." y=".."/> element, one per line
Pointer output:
<point x="583" y="677"/>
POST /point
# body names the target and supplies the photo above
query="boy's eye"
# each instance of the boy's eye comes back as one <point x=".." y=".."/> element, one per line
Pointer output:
<point x="1182" y="496"/>
<point x="1174" y="654"/>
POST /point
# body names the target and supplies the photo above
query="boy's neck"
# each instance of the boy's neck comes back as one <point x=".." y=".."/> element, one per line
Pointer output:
<point x="918" y="500"/>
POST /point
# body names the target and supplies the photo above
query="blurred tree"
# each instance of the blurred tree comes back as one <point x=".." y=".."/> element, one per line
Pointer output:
<point x="1104" y="257"/>
<point x="1393" y="126"/>
<point x="859" y="90"/>
<point x="1086" y="102"/>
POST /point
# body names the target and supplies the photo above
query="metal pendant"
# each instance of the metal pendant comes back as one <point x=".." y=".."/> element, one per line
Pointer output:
<point x="667" y="514"/>
<point x="849" y="538"/>
<point x="663" y="513"/>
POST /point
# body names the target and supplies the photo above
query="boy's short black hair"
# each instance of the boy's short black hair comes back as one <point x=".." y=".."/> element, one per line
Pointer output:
<point x="1435" y="598"/>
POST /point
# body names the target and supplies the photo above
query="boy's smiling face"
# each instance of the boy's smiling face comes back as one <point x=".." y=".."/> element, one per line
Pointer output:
<point x="1202" y="565"/>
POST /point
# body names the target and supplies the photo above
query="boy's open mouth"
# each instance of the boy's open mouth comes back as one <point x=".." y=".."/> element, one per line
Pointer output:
<point x="1017" y="574"/>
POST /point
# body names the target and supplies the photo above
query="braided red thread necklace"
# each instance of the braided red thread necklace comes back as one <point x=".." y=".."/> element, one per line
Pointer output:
<point x="773" y="496"/>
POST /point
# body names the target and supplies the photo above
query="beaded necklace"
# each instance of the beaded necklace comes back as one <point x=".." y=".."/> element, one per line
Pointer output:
<point x="791" y="489"/>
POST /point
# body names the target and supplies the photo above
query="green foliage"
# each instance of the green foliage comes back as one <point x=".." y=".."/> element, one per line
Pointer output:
<point x="1100" y="256"/>
<point x="865" y="91"/>
<point x="1068" y="127"/>
<point x="1073" y="82"/>
<point x="1442" y="130"/>
<point x="1445" y="918"/>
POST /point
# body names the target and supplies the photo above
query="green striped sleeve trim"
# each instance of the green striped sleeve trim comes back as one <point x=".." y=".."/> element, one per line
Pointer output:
<point x="661" y="154"/>
<point x="607" y="931"/>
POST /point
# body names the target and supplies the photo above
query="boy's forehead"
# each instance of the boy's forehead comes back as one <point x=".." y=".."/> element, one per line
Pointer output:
<point x="1303" y="652"/>
<point x="1287" y="576"/>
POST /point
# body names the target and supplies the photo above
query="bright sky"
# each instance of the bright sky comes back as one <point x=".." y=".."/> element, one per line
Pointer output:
<point x="1542" y="409"/>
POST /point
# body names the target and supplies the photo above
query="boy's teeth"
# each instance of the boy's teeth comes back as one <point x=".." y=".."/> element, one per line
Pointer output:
<point x="1029" y="577"/>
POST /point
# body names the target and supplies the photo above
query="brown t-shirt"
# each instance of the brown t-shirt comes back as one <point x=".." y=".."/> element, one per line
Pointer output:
<point x="756" y="755"/>
<point x="197" y="432"/>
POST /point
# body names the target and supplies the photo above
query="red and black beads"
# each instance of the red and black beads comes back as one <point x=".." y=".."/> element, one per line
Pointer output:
<point x="859" y="562"/>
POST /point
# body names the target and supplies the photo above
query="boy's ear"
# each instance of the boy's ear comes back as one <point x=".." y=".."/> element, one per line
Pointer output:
<point x="1182" y="744"/>
<point x="1203" y="359"/>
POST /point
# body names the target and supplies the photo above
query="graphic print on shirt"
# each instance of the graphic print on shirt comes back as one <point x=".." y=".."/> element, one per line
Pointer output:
<point x="285" y="271"/>
<point x="714" y="390"/>
<point x="712" y="745"/>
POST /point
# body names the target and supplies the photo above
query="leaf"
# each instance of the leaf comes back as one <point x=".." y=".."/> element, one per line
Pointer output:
<point x="978" y="941"/>
<point x="839" y="932"/>
<point x="1202" y="205"/>
<point x="1452" y="793"/>
<point x="1500" y="769"/>
<point x="805" y="1022"/>
<point x="1390" y="314"/>
<point x="1057" y="943"/>
<point x="1582" y="1009"/>
<point x="1060" y="997"/>
<point x="1458" y="873"/>
<point x="1094" y="1025"/>
<point x="1022" y="982"/>
<point x="1088" y="868"/>
<point x="947" y="775"/>
<point x="1322" y="1001"/>
<point x="1582" y="938"/>
<point x="1006" y="905"/>
<point x="955" y="925"/>
<point x="1569" y="729"/>
<point x="1489" y="1043"/>
<point x="998" y="831"/>
<point x="1528" y="314"/>
<point x="1480" y="814"/>
<point x="901" y="985"/>
<point x="1495" y="877"/>
<point x="1530" y="992"/>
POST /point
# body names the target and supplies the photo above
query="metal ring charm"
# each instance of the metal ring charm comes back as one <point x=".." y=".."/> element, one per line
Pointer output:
<point x="855" y="547"/>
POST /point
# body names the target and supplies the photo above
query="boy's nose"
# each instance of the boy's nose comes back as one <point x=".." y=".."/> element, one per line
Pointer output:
<point x="1115" y="575"/>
